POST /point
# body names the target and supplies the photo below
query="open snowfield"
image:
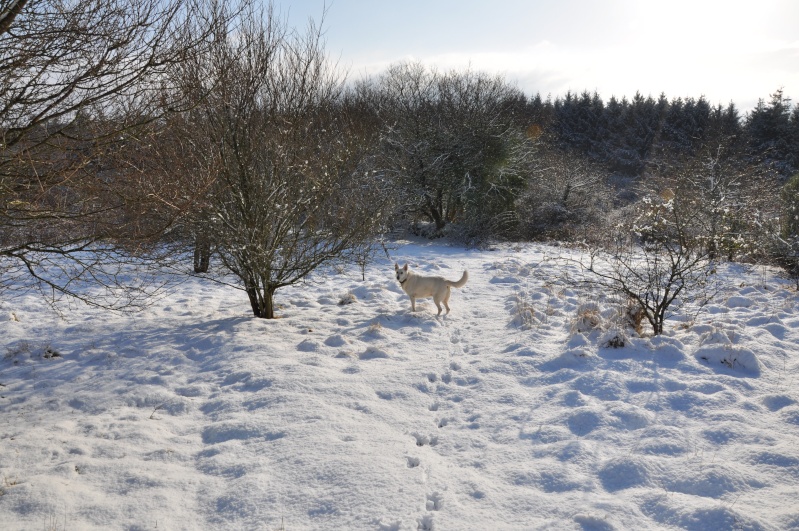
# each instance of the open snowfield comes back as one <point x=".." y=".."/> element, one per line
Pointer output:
<point x="193" y="415"/>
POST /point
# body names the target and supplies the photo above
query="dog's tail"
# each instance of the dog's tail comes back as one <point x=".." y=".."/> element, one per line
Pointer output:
<point x="461" y="282"/>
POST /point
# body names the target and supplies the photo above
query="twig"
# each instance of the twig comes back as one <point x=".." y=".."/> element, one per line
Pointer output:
<point x="160" y="406"/>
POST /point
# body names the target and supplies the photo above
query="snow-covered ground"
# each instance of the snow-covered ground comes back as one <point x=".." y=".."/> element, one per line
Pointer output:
<point x="194" y="415"/>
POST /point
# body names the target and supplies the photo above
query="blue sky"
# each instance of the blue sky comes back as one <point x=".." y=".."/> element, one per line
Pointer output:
<point x="725" y="50"/>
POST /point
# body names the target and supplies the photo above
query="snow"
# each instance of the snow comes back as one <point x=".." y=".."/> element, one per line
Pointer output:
<point x="350" y="412"/>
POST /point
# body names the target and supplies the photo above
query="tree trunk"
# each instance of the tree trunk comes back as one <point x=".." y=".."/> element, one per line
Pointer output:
<point x="435" y="210"/>
<point x="252" y="294"/>
<point x="202" y="254"/>
<point x="262" y="304"/>
<point x="657" y="324"/>
<point x="438" y="219"/>
<point x="269" y="305"/>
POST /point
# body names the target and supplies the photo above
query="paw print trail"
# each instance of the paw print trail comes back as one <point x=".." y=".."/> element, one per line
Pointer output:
<point x="460" y="379"/>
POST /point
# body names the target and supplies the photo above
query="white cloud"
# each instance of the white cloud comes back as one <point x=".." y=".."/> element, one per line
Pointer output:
<point x="726" y="51"/>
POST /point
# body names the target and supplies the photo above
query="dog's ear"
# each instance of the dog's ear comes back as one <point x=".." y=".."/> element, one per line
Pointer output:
<point x="396" y="266"/>
<point x="405" y="267"/>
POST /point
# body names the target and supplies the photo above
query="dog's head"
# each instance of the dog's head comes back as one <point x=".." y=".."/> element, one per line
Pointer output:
<point x="401" y="272"/>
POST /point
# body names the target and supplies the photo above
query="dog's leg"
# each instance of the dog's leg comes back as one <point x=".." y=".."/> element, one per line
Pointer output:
<point x="446" y="299"/>
<point x="438" y="304"/>
<point x="413" y="304"/>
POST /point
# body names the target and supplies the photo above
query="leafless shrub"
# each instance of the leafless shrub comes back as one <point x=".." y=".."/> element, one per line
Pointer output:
<point x="565" y="195"/>
<point x="347" y="299"/>
<point x="293" y="186"/>
<point x="82" y="95"/>
<point x="524" y="313"/>
<point x="451" y="144"/>
<point x="588" y="319"/>
<point x="654" y="258"/>
<point x="632" y="316"/>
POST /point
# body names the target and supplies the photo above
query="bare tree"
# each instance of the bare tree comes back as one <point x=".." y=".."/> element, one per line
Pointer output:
<point x="566" y="195"/>
<point x="81" y="85"/>
<point x="452" y="143"/>
<point x="735" y="197"/>
<point x="293" y="187"/>
<point x="654" y="256"/>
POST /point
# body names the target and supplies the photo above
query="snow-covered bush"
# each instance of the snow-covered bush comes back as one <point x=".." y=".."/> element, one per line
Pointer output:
<point x="614" y="338"/>
<point x="589" y="318"/>
<point x="654" y="258"/>
<point x="347" y="298"/>
<point x="632" y="316"/>
<point x="523" y="311"/>
<point x="294" y="187"/>
<point x="565" y="194"/>
<point x="784" y="248"/>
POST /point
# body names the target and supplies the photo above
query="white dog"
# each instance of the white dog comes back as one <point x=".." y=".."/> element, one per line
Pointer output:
<point x="418" y="286"/>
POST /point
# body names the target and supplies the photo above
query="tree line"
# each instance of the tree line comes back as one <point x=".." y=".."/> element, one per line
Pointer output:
<point x="135" y="134"/>
<point x="628" y="135"/>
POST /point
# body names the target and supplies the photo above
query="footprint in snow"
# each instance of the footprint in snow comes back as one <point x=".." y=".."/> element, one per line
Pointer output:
<point x="425" y="523"/>
<point x="777" y="402"/>
<point x="424" y="440"/>
<point x="389" y="395"/>
<point x="455" y="338"/>
<point x="473" y="424"/>
<point x="477" y="494"/>
<point x="443" y="422"/>
<point x="434" y="502"/>
<point x="391" y="526"/>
